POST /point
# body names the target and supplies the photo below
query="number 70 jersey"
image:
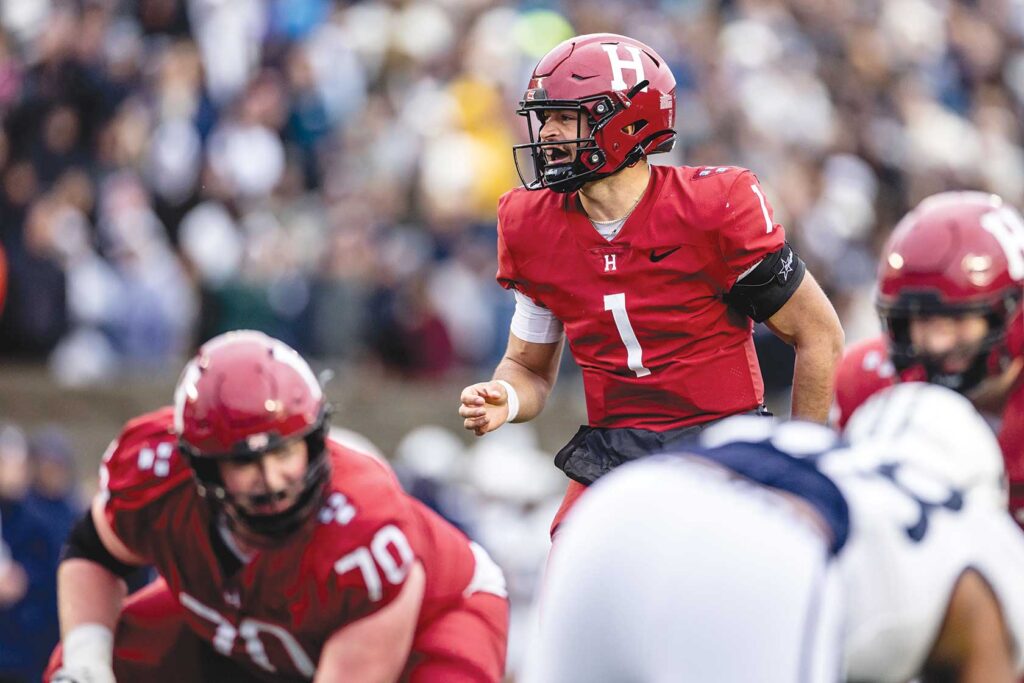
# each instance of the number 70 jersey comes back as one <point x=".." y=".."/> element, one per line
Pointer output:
<point x="644" y="313"/>
<point x="273" y="613"/>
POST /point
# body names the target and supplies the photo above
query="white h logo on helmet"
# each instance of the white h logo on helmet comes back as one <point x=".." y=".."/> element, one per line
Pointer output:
<point x="618" y="83"/>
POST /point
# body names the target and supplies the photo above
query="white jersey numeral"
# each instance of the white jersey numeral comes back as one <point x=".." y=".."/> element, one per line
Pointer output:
<point x="367" y="560"/>
<point x="769" y="226"/>
<point x="1008" y="229"/>
<point x="616" y="303"/>
<point x="250" y="629"/>
<point x="361" y="559"/>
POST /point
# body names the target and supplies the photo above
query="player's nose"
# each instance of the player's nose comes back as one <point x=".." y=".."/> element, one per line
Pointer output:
<point x="549" y="131"/>
<point x="939" y="342"/>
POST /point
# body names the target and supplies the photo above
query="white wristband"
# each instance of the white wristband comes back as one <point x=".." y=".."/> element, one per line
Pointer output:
<point x="88" y="644"/>
<point x="513" y="400"/>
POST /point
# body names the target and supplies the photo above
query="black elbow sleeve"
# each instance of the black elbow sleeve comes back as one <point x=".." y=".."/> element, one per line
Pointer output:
<point x="764" y="290"/>
<point x="84" y="542"/>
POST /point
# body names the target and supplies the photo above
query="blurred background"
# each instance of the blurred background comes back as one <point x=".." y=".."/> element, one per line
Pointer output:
<point x="328" y="171"/>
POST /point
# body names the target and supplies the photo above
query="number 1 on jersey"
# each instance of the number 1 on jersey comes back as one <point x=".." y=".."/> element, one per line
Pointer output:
<point x="616" y="303"/>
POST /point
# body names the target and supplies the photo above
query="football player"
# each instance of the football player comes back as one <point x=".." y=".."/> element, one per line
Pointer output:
<point x="949" y="292"/>
<point x="654" y="274"/>
<point x="282" y="555"/>
<point x="781" y="553"/>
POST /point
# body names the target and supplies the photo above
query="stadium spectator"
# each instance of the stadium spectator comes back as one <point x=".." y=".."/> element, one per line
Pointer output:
<point x="871" y="108"/>
<point x="28" y="568"/>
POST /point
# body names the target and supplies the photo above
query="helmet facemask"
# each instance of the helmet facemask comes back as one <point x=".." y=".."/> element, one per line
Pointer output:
<point x="590" y="161"/>
<point x="581" y="167"/>
<point x="265" y="529"/>
<point x="987" y="359"/>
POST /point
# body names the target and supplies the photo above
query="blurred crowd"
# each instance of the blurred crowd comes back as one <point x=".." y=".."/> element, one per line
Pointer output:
<point x="327" y="171"/>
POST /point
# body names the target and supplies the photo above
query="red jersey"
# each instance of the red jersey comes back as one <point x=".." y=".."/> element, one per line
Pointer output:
<point x="644" y="313"/>
<point x="866" y="369"/>
<point x="274" y="614"/>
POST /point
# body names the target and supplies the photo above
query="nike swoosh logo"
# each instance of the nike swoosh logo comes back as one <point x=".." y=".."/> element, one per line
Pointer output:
<point x="655" y="256"/>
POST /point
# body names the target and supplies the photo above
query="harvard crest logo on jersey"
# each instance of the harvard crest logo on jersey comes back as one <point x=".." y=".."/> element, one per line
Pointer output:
<point x="707" y="171"/>
<point x="337" y="509"/>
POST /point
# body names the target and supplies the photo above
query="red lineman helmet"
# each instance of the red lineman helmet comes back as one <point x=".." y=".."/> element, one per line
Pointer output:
<point x="620" y="86"/>
<point x="956" y="253"/>
<point x="245" y="394"/>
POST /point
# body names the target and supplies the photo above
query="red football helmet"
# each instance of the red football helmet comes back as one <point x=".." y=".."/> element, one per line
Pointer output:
<point x="626" y="93"/>
<point x="956" y="253"/>
<point x="245" y="394"/>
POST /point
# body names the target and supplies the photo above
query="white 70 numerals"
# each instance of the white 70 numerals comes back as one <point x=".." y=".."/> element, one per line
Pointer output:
<point x="368" y="559"/>
<point x="361" y="558"/>
<point x="250" y="630"/>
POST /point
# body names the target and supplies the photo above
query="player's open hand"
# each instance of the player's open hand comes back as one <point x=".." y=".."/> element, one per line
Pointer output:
<point x="484" y="407"/>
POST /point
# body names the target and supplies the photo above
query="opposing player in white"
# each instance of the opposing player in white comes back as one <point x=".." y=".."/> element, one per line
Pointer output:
<point x="783" y="554"/>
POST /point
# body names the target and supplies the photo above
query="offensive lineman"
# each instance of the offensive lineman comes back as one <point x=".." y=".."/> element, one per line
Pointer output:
<point x="283" y="555"/>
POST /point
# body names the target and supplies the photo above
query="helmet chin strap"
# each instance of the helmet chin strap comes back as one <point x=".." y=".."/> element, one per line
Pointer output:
<point x="574" y="181"/>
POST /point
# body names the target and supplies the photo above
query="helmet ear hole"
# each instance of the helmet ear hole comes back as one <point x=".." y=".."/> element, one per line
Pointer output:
<point x="635" y="127"/>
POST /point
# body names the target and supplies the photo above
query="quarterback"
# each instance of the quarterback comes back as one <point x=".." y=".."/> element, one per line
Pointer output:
<point x="654" y="275"/>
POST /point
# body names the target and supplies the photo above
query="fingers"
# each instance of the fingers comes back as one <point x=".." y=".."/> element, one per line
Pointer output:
<point x="476" y="422"/>
<point x="482" y="392"/>
<point x="477" y="402"/>
<point x="479" y="396"/>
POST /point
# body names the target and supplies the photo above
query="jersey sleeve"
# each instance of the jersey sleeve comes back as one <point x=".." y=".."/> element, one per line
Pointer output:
<point x="508" y="274"/>
<point x="749" y="231"/>
<point x="533" y="323"/>
<point x="512" y="230"/>
<point x="139" y="468"/>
